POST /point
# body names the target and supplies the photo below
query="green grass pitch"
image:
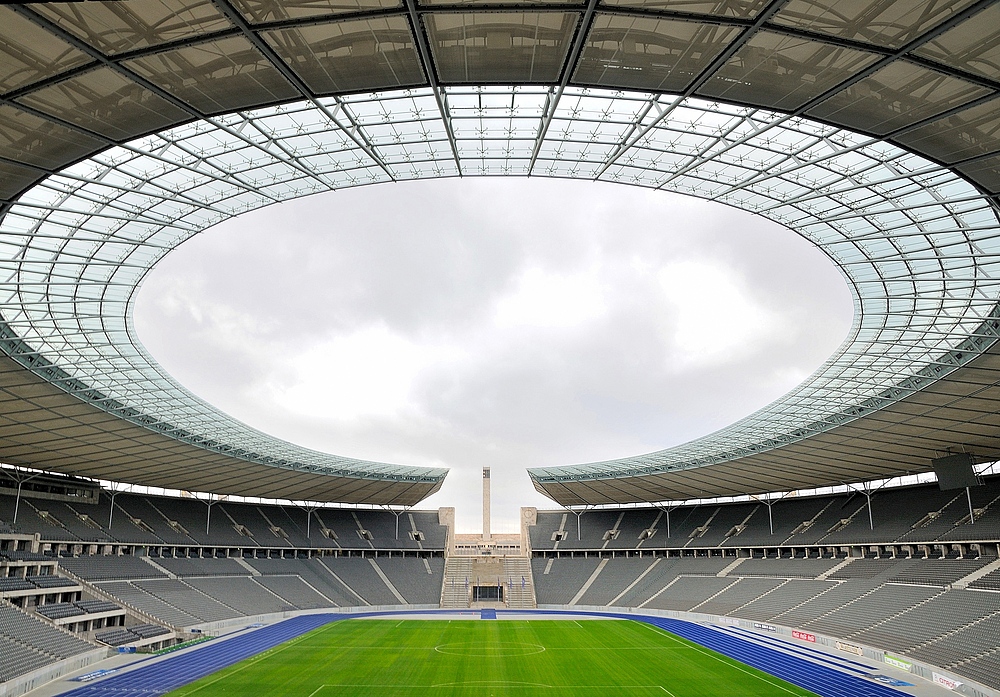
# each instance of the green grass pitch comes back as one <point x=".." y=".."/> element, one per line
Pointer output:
<point x="484" y="658"/>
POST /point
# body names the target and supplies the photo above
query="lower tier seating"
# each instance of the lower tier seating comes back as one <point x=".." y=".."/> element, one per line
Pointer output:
<point x="27" y="643"/>
<point x="866" y="600"/>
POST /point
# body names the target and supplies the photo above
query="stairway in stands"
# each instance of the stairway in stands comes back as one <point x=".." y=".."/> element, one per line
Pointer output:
<point x="455" y="587"/>
<point x="520" y="588"/>
<point x="513" y="573"/>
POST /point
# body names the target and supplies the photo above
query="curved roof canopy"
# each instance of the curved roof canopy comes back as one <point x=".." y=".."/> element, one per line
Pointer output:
<point x="869" y="127"/>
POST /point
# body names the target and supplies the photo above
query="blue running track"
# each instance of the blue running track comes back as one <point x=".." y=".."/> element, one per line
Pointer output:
<point x="160" y="677"/>
<point x="176" y="671"/>
<point x="823" y="680"/>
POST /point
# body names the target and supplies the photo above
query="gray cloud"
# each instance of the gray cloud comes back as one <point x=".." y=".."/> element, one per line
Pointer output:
<point x="508" y="323"/>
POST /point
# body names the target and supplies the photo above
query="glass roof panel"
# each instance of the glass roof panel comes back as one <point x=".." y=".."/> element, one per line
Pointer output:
<point x="28" y="138"/>
<point x="784" y="72"/>
<point x="985" y="172"/>
<point x="502" y="2"/>
<point x="973" y="45"/>
<point x="215" y="76"/>
<point x="896" y="96"/>
<point x="259" y="11"/>
<point x="967" y="133"/>
<point x="500" y="47"/>
<point x="28" y="53"/>
<point x="880" y="22"/>
<point x="14" y="178"/>
<point x="649" y="53"/>
<point x="719" y="8"/>
<point x="920" y="245"/>
<point x="103" y="101"/>
<point x="113" y="27"/>
<point x="352" y="55"/>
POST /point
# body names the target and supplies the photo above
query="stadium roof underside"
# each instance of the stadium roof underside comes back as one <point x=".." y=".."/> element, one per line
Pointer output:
<point x="869" y="127"/>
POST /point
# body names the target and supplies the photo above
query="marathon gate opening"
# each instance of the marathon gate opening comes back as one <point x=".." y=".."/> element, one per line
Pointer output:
<point x="487" y="593"/>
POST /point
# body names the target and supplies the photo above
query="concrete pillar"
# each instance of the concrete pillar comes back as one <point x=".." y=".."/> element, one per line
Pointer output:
<point x="486" y="504"/>
<point x="446" y="517"/>
<point x="529" y="517"/>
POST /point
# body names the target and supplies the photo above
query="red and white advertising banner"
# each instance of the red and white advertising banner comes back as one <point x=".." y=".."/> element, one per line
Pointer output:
<point x="804" y="636"/>
<point x="944" y="680"/>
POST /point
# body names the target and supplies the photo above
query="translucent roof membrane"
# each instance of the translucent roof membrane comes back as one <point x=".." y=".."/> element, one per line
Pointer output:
<point x="919" y="246"/>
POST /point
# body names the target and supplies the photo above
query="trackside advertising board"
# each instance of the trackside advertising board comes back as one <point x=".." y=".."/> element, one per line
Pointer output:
<point x="900" y="663"/>
<point x="850" y="648"/>
<point x="804" y="636"/>
<point x="945" y="681"/>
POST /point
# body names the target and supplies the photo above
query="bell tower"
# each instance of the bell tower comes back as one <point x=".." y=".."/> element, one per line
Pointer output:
<point x="486" y="504"/>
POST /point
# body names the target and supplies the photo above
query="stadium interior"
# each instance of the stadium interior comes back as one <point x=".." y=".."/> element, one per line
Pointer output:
<point x="861" y="511"/>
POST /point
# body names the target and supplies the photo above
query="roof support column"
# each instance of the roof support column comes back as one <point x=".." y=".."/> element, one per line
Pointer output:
<point x="666" y="511"/>
<point x="19" y="477"/>
<point x="114" y="494"/>
<point x="211" y="502"/>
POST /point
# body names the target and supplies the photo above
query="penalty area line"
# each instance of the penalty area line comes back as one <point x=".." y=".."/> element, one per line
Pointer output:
<point x="661" y="687"/>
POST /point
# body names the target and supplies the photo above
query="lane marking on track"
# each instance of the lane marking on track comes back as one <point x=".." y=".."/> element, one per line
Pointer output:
<point x="247" y="662"/>
<point x="737" y="663"/>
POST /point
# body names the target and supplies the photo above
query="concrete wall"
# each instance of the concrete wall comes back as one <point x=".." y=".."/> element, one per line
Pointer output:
<point x="37" y="678"/>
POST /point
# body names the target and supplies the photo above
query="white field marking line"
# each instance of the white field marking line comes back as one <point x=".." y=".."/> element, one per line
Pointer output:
<point x="503" y="683"/>
<point x="717" y="658"/>
<point x="482" y="655"/>
<point x="494" y="682"/>
<point x="617" y="648"/>
<point x="372" y="648"/>
<point x="253" y="660"/>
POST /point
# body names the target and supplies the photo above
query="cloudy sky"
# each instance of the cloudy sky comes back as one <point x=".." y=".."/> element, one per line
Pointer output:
<point x="502" y="322"/>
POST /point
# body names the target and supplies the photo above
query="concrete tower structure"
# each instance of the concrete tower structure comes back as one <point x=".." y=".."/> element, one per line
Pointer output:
<point x="486" y="503"/>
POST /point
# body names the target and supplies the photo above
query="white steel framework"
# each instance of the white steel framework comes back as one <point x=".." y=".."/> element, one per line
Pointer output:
<point x="867" y="127"/>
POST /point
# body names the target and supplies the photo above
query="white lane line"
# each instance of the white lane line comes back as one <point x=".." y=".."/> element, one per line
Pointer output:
<point x="735" y="664"/>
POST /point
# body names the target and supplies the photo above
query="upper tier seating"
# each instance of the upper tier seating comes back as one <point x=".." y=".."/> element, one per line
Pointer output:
<point x="106" y="568"/>
<point x="194" y="566"/>
<point x="907" y="515"/>
<point x="160" y="520"/>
